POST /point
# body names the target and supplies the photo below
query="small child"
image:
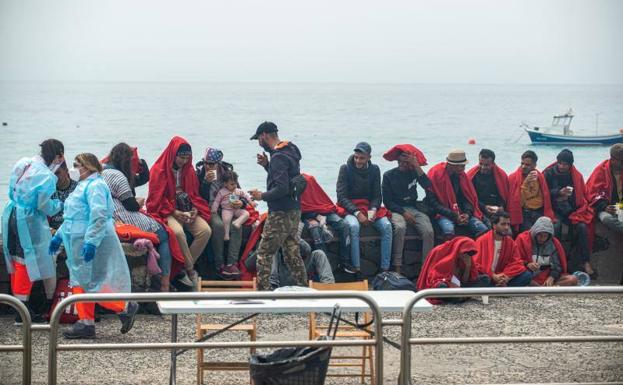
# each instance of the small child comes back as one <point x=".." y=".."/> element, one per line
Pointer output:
<point x="228" y="194"/>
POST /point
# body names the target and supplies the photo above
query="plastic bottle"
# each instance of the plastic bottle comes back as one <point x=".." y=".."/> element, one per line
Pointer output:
<point x="583" y="278"/>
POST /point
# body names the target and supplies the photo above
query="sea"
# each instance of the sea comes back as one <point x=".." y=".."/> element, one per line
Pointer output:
<point x="325" y="120"/>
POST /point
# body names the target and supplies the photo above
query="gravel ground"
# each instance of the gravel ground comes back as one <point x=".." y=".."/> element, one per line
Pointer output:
<point x="432" y="364"/>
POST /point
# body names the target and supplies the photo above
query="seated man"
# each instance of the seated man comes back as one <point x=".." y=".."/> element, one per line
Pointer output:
<point x="544" y="256"/>
<point x="359" y="199"/>
<point x="605" y="189"/>
<point x="64" y="186"/>
<point x="568" y="192"/>
<point x="528" y="194"/>
<point x="497" y="254"/>
<point x="400" y="197"/>
<point x="316" y="263"/>
<point x="453" y="198"/>
<point x="452" y="264"/>
<point x="490" y="183"/>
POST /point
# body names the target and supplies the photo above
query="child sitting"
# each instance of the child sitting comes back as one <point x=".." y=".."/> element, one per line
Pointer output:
<point x="229" y="193"/>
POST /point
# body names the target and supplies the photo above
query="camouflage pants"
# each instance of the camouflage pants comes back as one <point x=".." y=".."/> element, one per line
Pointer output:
<point x="280" y="231"/>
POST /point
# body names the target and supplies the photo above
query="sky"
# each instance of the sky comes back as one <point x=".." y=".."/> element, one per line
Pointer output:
<point x="436" y="41"/>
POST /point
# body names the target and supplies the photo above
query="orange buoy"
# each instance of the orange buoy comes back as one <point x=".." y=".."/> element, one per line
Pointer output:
<point x="471" y="141"/>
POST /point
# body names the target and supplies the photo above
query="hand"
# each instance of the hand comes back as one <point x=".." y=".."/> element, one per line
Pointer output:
<point x="565" y="192"/>
<point x="362" y="218"/>
<point x="549" y="281"/>
<point x="55" y="244"/>
<point x="532" y="176"/>
<point x="463" y="219"/>
<point x="255" y="194"/>
<point x="533" y="266"/>
<point x="140" y="201"/>
<point x="88" y="251"/>
<point x="491" y="209"/>
<point x="209" y="175"/>
<point x="372" y="215"/>
<point x="193" y="213"/>
<point x="612" y="210"/>
<point x="262" y="159"/>
<point x="237" y="204"/>
<point x="499" y="279"/>
<point x="410" y="218"/>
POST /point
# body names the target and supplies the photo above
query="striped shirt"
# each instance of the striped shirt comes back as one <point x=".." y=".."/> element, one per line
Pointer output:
<point x="120" y="190"/>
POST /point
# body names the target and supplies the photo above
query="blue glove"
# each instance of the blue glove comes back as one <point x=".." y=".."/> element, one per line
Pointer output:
<point x="88" y="252"/>
<point x="55" y="244"/>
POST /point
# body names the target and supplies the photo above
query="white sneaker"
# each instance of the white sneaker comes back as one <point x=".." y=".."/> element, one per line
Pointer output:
<point x="194" y="277"/>
<point x="185" y="280"/>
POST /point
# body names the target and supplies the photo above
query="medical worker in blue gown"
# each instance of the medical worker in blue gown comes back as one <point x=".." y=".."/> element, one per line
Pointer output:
<point x="95" y="258"/>
<point x="25" y="230"/>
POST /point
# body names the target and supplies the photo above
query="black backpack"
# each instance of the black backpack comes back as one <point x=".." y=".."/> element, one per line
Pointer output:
<point x="390" y="280"/>
<point x="298" y="184"/>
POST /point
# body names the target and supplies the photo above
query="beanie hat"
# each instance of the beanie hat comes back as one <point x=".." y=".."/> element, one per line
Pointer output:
<point x="565" y="156"/>
<point x="184" y="149"/>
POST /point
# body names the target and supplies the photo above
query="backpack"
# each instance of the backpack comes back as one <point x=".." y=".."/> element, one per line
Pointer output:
<point x="390" y="280"/>
<point x="297" y="186"/>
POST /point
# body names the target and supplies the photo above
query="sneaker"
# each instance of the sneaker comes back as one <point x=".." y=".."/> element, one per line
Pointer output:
<point x="348" y="268"/>
<point x="80" y="330"/>
<point x="229" y="272"/>
<point x="185" y="280"/>
<point x="127" y="318"/>
<point x="194" y="279"/>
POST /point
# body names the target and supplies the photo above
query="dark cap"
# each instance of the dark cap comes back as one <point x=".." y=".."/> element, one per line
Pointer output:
<point x="184" y="149"/>
<point x="363" y="147"/>
<point x="264" y="127"/>
<point x="565" y="156"/>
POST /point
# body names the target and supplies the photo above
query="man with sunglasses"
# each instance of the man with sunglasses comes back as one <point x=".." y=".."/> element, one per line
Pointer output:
<point x="605" y="189"/>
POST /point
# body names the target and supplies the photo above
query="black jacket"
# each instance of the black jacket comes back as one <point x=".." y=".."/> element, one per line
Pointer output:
<point x="400" y="189"/>
<point x="283" y="166"/>
<point x="354" y="183"/>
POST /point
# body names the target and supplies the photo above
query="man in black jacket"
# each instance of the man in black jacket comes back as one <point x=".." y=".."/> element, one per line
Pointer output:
<point x="359" y="193"/>
<point x="400" y="197"/>
<point x="284" y="209"/>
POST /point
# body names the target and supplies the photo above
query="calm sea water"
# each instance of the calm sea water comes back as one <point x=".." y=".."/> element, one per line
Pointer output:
<point x="324" y="120"/>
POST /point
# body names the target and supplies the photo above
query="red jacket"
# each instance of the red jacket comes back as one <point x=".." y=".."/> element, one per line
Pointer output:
<point x="500" y="177"/>
<point x="442" y="187"/>
<point x="509" y="262"/>
<point x="515" y="181"/>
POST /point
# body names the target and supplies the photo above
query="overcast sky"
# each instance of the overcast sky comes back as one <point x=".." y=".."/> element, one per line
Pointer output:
<point x="432" y="41"/>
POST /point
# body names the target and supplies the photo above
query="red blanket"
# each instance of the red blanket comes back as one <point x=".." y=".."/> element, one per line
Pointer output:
<point x="509" y="263"/>
<point x="314" y="199"/>
<point x="442" y="187"/>
<point x="394" y="152"/>
<point x="524" y="247"/>
<point x="600" y="184"/>
<point x="127" y="233"/>
<point x="514" y="202"/>
<point x="501" y="180"/>
<point x="440" y="264"/>
<point x="584" y="212"/>
<point x="161" y="196"/>
<point x="363" y="205"/>
<point x="254" y="238"/>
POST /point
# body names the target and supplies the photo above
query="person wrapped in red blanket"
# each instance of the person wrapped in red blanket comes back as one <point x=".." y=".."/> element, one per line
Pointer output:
<point x="568" y="193"/>
<point x="452" y="264"/>
<point x="490" y="183"/>
<point x="528" y="194"/>
<point x="498" y="256"/>
<point x="605" y="189"/>
<point x="453" y="198"/>
<point x="318" y="214"/>
<point x="543" y="255"/>
<point x="359" y="202"/>
<point x="174" y="199"/>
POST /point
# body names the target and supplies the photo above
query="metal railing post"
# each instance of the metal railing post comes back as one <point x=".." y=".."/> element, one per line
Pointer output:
<point x="26" y="347"/>
<point x="406" y="341"/>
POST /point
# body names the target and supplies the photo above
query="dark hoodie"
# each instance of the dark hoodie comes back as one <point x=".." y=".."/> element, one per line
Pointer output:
<point x="546" y="254"/>
<point x="363" y="183"/>
<point x="283" y="166"/>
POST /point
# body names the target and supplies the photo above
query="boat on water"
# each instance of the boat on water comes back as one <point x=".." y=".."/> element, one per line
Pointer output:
<point x="559" y="133"/>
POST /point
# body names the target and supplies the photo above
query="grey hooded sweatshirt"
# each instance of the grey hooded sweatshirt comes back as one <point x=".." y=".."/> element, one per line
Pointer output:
<point x="546" y="254"/>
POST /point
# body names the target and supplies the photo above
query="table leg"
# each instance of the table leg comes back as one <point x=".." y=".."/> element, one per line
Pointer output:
<point x="172" y="375"/>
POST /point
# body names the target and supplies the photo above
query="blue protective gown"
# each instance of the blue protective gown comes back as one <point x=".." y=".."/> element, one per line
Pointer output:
<point x="87" y="217"/>
<point x="30" y="190"/>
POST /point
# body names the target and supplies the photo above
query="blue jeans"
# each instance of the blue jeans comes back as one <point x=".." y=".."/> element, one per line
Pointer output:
<point x="163" y="249"/>
<point x="522" y="279"/>
<point x="475" y="225"/>
<point x="384" y="227"/>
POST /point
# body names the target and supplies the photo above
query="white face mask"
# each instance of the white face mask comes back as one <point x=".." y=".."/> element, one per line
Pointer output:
<point x="74" y="174"/>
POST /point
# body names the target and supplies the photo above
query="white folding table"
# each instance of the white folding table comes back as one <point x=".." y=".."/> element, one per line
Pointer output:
<point x="388" y="302"/>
